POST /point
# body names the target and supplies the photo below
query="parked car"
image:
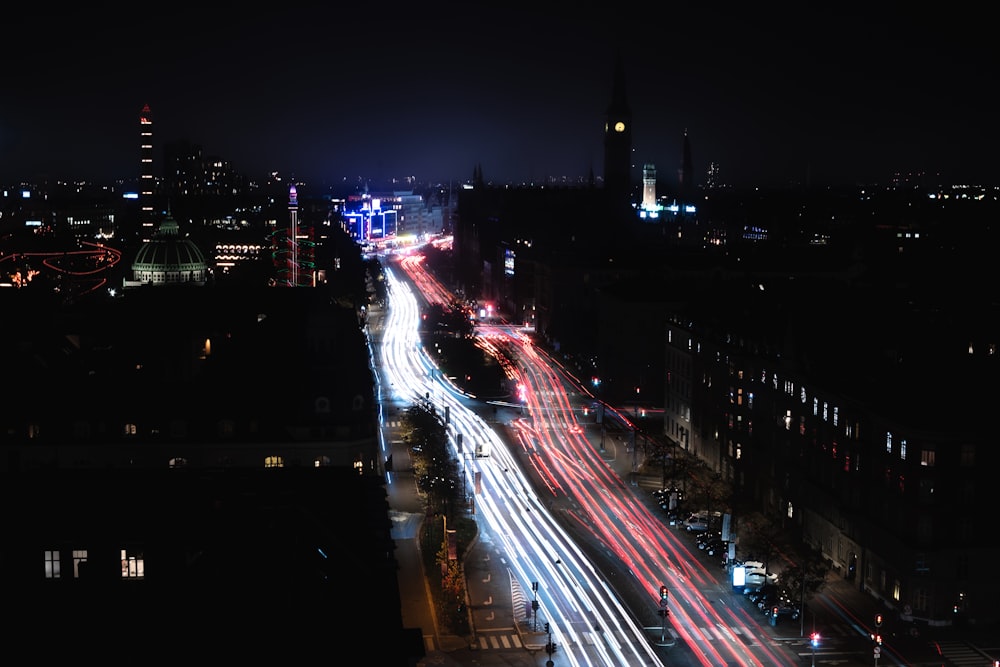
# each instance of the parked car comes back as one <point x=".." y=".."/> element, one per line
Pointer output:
<point x="751" y="564"/>
<point x="767" y="598"/>
<point x="700" y="521"/>
<point x="784" y="606"/>
<point x="757" y="593"/>
<point x="705" y="537"/>
<point x="759" y="577"/>
<point x="717" y="546"/>
<point x="674" y="516"/>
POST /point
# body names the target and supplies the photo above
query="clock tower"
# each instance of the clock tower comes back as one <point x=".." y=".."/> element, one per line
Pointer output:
<point x="618" y="140"/>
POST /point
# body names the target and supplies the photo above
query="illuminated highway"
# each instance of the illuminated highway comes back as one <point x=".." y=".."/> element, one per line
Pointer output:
<point x="580" y="484"/>
<point x="588" y="621"/>
<point x="603" y="507"/>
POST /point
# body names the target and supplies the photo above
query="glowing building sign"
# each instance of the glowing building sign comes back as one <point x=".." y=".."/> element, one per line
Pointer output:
<point x="508" y="262"/>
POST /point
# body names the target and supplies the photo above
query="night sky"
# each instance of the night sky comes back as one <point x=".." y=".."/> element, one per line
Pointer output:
<point x="329" y="92"/>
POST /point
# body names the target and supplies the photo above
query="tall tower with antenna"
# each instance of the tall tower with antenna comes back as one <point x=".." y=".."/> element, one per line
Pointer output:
<point x="684" y="173"/>
<point x="147" y="223"/>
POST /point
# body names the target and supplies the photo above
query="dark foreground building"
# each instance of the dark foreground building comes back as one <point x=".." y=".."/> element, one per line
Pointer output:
<point x="194" y="473"/>
<point x="234" y="563"/>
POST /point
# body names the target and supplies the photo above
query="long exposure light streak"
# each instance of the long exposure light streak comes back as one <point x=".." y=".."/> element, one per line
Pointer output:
<point x="587" y="619"/>
<point x="587" y="491"/>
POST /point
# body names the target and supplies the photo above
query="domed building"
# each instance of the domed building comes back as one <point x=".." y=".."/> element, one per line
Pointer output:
<point x="168" y="259"/>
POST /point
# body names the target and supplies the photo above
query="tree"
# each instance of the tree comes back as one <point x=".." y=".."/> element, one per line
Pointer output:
<point x="435" y="468"/>
<point x="805" y="579"/>
<point x="759" y="536"/>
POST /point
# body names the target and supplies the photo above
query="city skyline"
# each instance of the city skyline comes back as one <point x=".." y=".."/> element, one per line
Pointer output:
<point x="324" y="95"/>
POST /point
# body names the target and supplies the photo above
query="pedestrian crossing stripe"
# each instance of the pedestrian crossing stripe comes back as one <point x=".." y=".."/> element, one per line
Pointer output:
<point x="518" y="598"/>
<point x="961" y="653"/>
<point x="504" y="641"/>
<point x="734" y="633"/>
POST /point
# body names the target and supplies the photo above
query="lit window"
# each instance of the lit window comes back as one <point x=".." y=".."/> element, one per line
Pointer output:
<point x="836" y="416"/>
<point x="790" y="511"/>
<point x="52" y="569"/>
<point x="79" y="562"/>
<point x="888" y="443"/>
<point x="927" y="457"/>
<point x="132" y="564"/>
<point x="274" y="462"/>
<point x="130" y="429"/>
<point x="902" y="449"/>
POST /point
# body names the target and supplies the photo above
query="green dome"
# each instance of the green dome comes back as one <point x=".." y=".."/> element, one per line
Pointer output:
<point x="169" y="259"/>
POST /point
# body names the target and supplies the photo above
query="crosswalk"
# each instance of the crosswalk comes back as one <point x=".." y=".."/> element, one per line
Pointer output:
<point x="963" y="654"/>
<point x="957" y="653"/>
<point x="748" y="636"/>
<point x="504" y="640"/>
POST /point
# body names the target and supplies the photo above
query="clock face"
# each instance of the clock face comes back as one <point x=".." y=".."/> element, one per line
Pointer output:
<point x="619" y="126"/>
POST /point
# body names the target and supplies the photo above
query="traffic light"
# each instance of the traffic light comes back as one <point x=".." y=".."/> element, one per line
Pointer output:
<point x="878" y="620"/>
<point x="878" y="639"/>
<point x="663" y="592"/>
<point x="814" y="639"/>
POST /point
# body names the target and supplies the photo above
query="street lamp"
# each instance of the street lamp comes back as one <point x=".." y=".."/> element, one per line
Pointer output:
<point x="599" y="415"/>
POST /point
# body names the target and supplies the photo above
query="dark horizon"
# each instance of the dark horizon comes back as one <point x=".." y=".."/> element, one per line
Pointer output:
<point x="326" y="94"/>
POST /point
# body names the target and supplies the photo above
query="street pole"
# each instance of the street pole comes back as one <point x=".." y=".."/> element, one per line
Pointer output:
<point x="663" y="611"/>
<point x="534" y="607"/>
<point x="802" y="608"/>
<point x="550" y="646"/>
